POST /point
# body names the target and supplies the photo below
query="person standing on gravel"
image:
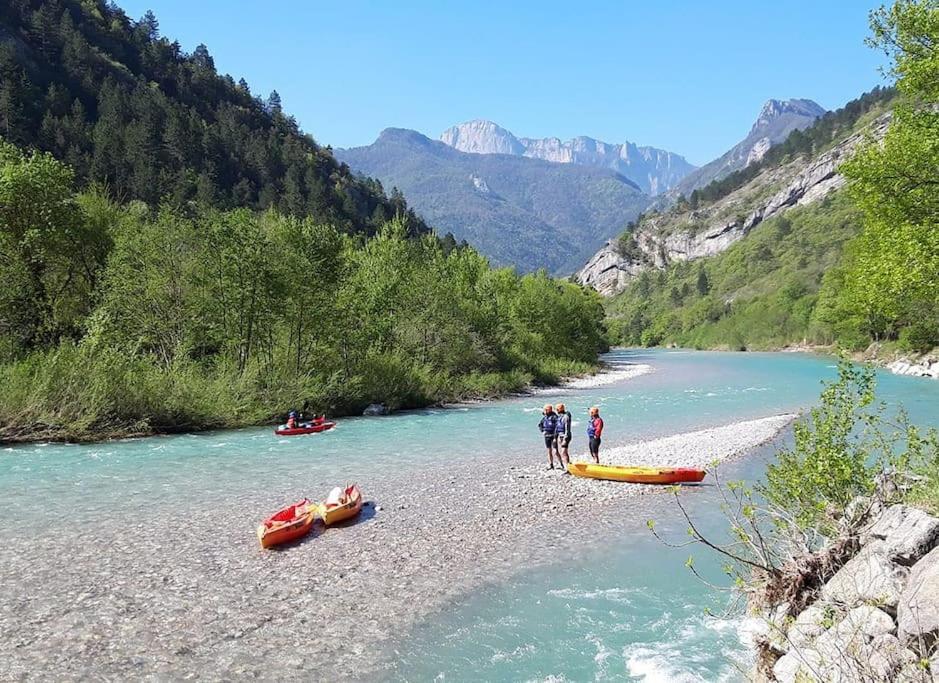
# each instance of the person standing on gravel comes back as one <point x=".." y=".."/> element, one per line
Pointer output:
<point x="549" y="427"/>
<point x="564" y="436"/>
<point x="594" y="430"/>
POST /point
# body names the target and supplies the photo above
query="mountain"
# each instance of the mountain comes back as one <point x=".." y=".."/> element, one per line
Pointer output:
<point x="776" y="121"/>
<point x="516" y="210"/>
<point x="131" y="111"/>
<point x="799" y="171"/>
<point x="653" y="170"/>
<point x="759" y="259"/>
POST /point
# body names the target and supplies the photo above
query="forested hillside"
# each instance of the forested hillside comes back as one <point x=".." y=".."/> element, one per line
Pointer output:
<point x="129" y="109"/>
<point x="176" y="255"/>
<point x="861" y="266"/>
<point x="516" y="210"/>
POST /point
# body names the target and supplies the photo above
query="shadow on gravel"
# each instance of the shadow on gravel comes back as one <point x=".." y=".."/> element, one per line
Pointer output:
<point x="368" y="511"/>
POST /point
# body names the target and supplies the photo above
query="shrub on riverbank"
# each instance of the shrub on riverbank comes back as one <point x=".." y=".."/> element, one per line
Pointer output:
<point x="125" y="320"/>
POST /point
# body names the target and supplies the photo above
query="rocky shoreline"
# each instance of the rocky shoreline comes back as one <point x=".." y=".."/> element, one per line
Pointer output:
<point x="876" y="618"/>
<point x="182" y="594"/>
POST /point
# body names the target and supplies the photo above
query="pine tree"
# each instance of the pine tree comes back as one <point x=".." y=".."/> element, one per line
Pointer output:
<point x="274" y="105"/>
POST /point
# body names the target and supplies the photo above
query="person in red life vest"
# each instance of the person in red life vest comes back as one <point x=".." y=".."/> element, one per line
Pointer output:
<point x="594" y="430"/>
<point x="292" y="420"/>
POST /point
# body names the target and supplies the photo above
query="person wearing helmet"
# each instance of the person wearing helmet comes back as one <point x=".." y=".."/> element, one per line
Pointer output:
<point x="292" y="419"/>
<point x="564" y="436"/>
<point x="594" y="430"/>
<point x="549" y="427"/>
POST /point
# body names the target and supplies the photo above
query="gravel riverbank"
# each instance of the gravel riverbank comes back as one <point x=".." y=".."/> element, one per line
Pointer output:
<point x="188" y="593"/>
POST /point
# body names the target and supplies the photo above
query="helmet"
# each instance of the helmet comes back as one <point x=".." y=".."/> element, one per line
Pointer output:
<point x="293" y="413"/>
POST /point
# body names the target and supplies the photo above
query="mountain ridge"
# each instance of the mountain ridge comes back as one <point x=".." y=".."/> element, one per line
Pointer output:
<point x="796" y="178"/>
<point x="654" y="170"/>
<point x="503" y="204"/>
<point x="775" y="122"/>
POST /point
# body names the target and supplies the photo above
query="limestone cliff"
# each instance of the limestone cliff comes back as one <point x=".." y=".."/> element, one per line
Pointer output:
<point x="681" y="234"/>
<point x="653" y="170"/>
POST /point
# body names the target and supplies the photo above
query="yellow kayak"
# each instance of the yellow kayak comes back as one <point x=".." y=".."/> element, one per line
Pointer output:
<point x="636" y="475"/>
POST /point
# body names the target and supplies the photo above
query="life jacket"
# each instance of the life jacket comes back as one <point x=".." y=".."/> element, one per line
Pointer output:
<point x="291" y="423"/>
<point x="564" y="423"/>
<point x="549" y="423"/>
<point x="594" y="426"/>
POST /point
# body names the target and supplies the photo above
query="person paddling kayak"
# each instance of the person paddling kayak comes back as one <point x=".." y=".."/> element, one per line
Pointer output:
<point x="548" y="428"/>
<point x="564" y="436"/>
<point x="291" y="420"/>
<point x="594" y="430"/>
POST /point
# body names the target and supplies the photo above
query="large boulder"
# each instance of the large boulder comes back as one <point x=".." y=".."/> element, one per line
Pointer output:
<point x="803" y="664"/>
<point x="811" y="623"/>
<point x="907" y="533"/>
<point x="887" y="657"/>
<point x="376" y="409"/>
<point x="866" y="621"/>
<point x="918" y="609"/>
<point x="868" y="577"/>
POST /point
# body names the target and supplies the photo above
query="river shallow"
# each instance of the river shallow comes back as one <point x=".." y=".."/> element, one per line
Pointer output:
<point x="102" y="546"/>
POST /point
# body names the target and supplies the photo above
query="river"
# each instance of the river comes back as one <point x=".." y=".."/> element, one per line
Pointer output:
<point x="619" y="605"/>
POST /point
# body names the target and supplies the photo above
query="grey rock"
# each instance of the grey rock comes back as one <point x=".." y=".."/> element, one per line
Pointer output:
<point x="918" y="610"/>
<point x="867" y="577"/>
<point x="776" y="120"/>
<point x="809" y="624"/>
<point x="908" y="533"/>
<point x="868" y="621"/>
<point x="685" y="236"/>
<point x="888" y="656"/>
<point x="805" y="664"/>
<point x="376" y="409"/>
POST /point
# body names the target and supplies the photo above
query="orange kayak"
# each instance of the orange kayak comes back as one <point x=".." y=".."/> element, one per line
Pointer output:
<point x="636" y="475"/>
<point x="348" y="505"/>
<point x="287" y="525"/>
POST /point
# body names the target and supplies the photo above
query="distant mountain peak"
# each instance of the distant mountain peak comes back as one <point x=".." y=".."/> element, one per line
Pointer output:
<point x="652" y="170"/>
<point x="777" y="119"/>
<point x="773" y="110"/>
<point x="481" y="136"/>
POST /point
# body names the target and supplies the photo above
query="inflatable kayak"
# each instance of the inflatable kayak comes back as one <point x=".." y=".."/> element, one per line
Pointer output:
<point x="636" y="475"/>
<point x="311" y="428"/>
<point x="341" y="505"/>
<point x="289" y="524"/>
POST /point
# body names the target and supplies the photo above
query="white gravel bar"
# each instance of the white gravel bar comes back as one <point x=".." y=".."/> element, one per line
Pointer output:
<point x="174" y="596"/>
<point x="610" y="375"/>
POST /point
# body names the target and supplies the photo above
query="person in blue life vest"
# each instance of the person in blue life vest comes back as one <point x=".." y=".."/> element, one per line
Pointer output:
<point x="563" y="443"/>
<point x="292" y="422"/>
<point x="549" y="428"/>
<point x="594" y="430"/>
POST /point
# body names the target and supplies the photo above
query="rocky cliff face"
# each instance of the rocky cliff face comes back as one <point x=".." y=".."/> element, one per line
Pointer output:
<point x="776" y="120"/>
<point x="653" y="170"/>
<point x="677" y="235"/>
<point x="482" y="137"/>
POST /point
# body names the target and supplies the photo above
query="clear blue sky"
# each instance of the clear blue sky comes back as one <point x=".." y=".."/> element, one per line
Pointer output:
<point x="687" y="76"/>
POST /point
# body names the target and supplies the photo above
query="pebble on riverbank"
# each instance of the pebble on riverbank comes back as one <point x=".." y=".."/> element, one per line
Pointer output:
<point x="167" y="599"/>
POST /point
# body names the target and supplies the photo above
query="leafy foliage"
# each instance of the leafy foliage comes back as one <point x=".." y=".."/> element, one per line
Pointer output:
<point x="763" y="292"/>
<point x="128" y="320"/>
<point x="833" y="458"/>
<point x="891" y="276"/>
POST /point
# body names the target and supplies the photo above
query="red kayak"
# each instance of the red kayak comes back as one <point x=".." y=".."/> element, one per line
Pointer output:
<point x="311" y="428"/>
<point x="287" y="525"/>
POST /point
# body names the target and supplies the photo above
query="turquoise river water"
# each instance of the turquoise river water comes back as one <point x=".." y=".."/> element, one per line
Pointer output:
<point x="623" y="608"/>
